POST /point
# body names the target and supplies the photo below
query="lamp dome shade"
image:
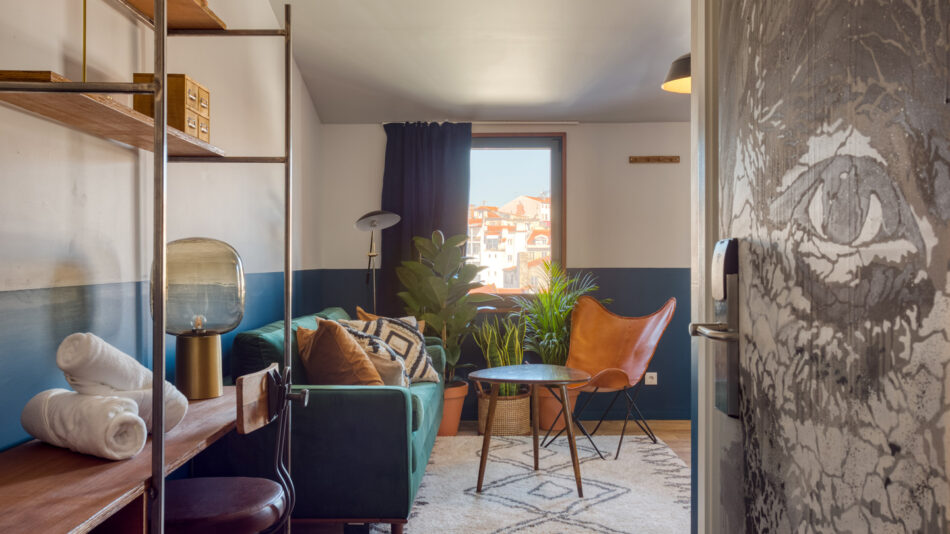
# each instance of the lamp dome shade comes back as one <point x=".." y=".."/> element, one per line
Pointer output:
<point x="377" y="220"/>
<point x="679" y="79"/>
<point x="205" y="280"/>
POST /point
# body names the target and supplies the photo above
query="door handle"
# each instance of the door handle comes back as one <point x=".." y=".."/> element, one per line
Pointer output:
<point x="714" y="331"/>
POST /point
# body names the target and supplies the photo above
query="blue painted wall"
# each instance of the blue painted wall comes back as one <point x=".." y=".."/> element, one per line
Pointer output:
<point x="634" y="291"/>
<point x="34" y="322"/>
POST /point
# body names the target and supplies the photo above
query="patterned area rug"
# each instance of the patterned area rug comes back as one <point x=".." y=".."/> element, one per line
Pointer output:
<point x="645" y="491"/>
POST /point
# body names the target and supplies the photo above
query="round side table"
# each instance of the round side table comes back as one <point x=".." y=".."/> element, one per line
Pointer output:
<point x="535" y="375"/>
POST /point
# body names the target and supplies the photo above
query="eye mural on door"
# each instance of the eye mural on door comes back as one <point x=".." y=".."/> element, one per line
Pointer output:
<point x="835" y="174"/>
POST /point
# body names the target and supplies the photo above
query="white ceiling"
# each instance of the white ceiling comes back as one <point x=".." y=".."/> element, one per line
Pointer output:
<point x="490" y="60"/>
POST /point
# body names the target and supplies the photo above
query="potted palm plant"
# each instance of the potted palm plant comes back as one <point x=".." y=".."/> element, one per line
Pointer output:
<point x="546" y="316"/>
<point x="502" y="343"/>
<point x="437" y="287"/>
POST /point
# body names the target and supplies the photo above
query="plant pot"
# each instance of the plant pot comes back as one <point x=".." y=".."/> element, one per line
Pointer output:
<point x="454" y="397"/>
<point x="550" y="406"/>
<point x="512" y="414"/>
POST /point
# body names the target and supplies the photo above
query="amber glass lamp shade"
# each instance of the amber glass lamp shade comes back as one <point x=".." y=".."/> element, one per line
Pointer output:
<point x="205" y="281"/>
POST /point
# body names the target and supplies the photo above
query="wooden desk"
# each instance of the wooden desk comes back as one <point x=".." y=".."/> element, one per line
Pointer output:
<point x="50" y="490"/>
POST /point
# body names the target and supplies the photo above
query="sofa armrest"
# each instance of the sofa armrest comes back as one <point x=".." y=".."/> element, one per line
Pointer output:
<point x="350" y="442"/>
<point x="437" y="355"/>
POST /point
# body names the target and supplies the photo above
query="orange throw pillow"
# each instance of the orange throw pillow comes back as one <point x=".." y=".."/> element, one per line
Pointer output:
<point x="364" y="315"/>
<point x="332" y="357"/>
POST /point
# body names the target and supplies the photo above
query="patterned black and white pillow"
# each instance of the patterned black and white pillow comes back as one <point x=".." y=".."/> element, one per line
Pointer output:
<point x="406" y="340"/>
<point x="390" y="365"/>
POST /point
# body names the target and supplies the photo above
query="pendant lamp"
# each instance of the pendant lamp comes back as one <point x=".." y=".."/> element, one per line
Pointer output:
<point x="678" y="80"/>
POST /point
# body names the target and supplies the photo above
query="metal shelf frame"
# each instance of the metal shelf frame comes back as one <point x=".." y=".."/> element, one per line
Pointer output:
<point x="160" y="197"/>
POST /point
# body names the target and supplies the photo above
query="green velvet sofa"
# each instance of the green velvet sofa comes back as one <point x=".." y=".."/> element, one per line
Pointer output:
<point x="358" y="453"/>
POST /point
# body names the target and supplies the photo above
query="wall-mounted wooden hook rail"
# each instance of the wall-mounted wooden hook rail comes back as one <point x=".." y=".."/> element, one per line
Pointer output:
<point x="654" y="159"/>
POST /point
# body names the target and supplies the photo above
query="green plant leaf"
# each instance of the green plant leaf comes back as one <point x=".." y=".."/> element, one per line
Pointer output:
<point x="425" y="247"/>
<point x="412" y="305"/>
<point x="434" y="321"/>
<point x="439" y="290"/>
<point x="455" y="241"/>
<point x="407" y="277"/>
<point x="468" y="272"/>
<point x="476" y="298"/>
<point x="438" y="239"/>
<point x="447" y="261"/>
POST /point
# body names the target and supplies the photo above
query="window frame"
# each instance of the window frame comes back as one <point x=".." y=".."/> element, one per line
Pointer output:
<point x="557" y="142"/>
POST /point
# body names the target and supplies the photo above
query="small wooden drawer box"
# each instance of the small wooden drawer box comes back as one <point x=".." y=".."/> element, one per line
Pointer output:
<point x="189" y="104"/>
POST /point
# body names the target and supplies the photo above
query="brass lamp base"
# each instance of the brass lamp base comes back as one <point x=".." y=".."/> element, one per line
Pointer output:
<point x="198" y="366"/>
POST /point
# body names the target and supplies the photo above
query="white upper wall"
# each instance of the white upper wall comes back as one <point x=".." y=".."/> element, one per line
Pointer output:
<point x="76" y="209"/>
<point x="618" y="214"/>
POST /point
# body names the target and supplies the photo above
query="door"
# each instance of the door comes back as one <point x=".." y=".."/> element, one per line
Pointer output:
<point x="821" y="141"/>
<point x="717" y="484"/>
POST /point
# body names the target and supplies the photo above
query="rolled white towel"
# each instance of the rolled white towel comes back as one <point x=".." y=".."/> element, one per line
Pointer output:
<point x="176" y="404"/>
<point x="108" y="427"/>
<point x="89" y="358"/>
<point x="94" y="367"/>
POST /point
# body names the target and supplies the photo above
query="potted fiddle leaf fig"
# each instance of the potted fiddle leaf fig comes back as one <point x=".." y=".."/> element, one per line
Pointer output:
<point x="438" y="289"/>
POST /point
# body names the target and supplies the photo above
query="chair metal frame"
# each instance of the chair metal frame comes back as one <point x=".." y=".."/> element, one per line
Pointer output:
<point x="631" y="407"/>
<point x="278" y="406"/>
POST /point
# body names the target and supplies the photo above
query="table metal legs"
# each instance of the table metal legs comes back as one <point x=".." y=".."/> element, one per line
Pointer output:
<point x="535" y="409"/>
<point x="487" y="440"/>
<point x="569" y="425"/>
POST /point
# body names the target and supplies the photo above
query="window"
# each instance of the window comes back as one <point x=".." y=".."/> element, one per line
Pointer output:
<point x="516" y="206"/>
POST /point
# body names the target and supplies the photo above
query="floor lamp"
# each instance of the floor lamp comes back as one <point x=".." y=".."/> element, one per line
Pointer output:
<point x="372" y="221"/>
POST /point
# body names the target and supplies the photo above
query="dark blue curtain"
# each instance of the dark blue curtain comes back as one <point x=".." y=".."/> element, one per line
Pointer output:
<point x="426" y="181"/>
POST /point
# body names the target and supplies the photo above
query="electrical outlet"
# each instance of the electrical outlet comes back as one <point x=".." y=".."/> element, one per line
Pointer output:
<point x="650" y="379"/>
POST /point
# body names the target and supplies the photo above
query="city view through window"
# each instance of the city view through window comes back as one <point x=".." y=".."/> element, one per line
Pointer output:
<point x="509" y="218"/>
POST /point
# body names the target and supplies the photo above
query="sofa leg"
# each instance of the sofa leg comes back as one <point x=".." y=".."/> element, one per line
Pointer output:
<point x="395" y="528"/>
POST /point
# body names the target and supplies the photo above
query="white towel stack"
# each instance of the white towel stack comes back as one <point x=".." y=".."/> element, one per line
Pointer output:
<point x="94" y="367"/>
<point x="110" y="412"/>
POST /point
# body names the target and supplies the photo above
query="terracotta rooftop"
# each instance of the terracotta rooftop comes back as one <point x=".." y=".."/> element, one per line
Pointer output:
<point x="537" y="233"/>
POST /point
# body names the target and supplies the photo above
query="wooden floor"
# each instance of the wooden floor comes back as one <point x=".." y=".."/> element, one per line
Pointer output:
<point x="673" y="433"/>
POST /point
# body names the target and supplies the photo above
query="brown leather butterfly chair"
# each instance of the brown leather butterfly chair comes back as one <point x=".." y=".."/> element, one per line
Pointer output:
<point x="240" y="504"/>
<point x="616" y="351"/>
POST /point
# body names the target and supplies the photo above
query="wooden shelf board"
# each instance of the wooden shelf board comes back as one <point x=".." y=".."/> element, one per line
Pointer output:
<point x="99" y="115"/>
<point x="182" y="14"/>
<point x="82" y="491"/>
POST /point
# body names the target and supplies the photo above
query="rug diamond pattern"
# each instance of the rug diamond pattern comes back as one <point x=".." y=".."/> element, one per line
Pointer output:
<point x="645" y="491"/>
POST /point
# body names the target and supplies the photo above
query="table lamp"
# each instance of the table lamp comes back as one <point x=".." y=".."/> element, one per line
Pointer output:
<point x="205" y="300"/>
<point x="372" y="221"/>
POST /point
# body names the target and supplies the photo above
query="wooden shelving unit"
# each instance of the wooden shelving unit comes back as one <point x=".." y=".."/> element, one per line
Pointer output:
<point x="82" y="105"/>
<point x="99" y="115"/>
<point x="182" y="14"/>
